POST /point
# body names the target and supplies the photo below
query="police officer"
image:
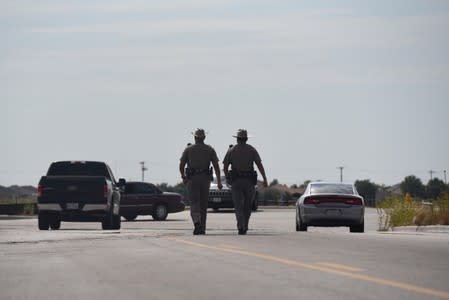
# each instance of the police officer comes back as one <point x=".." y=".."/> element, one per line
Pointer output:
<point x="243" y="177"/>
<point x="198" y="176"/>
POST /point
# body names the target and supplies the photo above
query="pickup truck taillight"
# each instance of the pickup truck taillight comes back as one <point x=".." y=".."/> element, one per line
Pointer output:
<point x="105" y="191"/>
<point x="40" y="190"/>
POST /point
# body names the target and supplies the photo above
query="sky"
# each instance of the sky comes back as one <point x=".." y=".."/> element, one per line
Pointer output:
<point x="317" y="84"/>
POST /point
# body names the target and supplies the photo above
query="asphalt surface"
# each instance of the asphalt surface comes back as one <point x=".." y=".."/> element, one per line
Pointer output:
<point x="163" y="260"/>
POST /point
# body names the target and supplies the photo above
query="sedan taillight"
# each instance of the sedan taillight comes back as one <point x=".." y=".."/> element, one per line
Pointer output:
<point x="342" y="200"/>
<point x="312" y="201"/>
<point x="354" y="201"/>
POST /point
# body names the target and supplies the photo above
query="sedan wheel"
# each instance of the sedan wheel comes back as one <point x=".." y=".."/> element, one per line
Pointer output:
<point x="358" y="228"/>
<point x="160" y="212"/>
<point x="300" y="226"/>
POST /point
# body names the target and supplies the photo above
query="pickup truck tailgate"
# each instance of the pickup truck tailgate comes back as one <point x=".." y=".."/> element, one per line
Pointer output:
<point x="80" y="189"/>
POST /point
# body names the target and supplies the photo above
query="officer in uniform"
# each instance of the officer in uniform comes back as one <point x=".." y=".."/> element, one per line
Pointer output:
<point x="243" y="178"/>
<point x="198" y="176"/>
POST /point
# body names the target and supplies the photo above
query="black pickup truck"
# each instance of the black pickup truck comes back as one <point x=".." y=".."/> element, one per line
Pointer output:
<point x="79" y="191"/>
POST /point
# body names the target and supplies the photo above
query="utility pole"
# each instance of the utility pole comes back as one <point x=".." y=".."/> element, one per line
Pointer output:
<point x="445" y="181"/>
<point x="341" y="173"/>
<point x="143" y="168"/>
<point x="431" y="172"/>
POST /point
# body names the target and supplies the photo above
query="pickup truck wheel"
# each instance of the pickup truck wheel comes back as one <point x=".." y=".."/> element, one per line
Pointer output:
<point x="43" y="221"/>
<point x="116" y="222"/>
<point x="130" y="217"/>
<point x="106" y="224"/>
<point x="160" y="212"/>
<point x="55" y="223"/>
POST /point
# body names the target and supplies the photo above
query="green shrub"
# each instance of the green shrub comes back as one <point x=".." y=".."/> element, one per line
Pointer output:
<point x="440" y="210"/>
<point x="403" y="211"/>
<point x="29" y="209"/>
<point x="396" y="211"/>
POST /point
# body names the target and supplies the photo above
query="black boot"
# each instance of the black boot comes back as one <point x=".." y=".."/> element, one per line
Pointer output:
<point x="242" y="231"/>
<point x="197" y="229"/>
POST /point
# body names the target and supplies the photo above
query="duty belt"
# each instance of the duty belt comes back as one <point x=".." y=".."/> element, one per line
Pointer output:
<point x="191" y="172"/>
<point x="236" y="174"/>
<point x="240" y="174"/>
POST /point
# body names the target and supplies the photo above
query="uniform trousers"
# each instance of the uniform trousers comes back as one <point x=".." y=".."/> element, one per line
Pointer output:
<point x="243" y="192"/>
<point x="198" y="193"/>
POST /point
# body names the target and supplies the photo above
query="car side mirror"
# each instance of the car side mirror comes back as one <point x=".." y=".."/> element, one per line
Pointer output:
<point x="122" y="182"/>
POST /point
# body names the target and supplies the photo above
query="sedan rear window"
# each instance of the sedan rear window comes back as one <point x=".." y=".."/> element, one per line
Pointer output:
<point x="326" y="188"/>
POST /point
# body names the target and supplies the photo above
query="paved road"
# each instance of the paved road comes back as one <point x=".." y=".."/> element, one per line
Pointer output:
<point x="162" y="260"/>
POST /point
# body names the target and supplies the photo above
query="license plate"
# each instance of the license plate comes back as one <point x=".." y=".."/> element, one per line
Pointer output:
<point x="72" y="205"/>
<point x="333" y="212"/>
<point x="216" y="200"/>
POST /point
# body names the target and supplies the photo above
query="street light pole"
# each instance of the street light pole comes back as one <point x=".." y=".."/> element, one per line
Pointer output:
<point x="143" y="168"/>
<point x="431" y="172"/>
<point x="445" y="181"/>
<point x="341" y="173"/>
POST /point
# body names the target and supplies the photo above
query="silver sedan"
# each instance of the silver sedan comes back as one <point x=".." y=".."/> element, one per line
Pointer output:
<point x="330" y="204"/>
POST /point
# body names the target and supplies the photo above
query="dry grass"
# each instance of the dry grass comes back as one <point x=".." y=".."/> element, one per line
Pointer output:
<point x="403" y="211"/>
<point x="17" y="200"/>
<point x="435" y="214"/>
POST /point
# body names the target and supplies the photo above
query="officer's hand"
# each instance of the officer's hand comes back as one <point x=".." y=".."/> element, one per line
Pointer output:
<point x="220" y="186"/>
<point x="185" y="180"/>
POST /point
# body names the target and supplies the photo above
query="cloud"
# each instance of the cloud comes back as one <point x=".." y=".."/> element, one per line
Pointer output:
<point x="296" y="48"/>
<point x="299" y="30"/>
<point x="30" y="7"/>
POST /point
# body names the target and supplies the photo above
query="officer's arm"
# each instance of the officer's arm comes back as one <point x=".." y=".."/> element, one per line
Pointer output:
<point x="182" y="166"/>
<point x="217" y="173"/>
<point x="262" y="172"/>
<point x="226" y="163"/>
<point x="226" y="169"/>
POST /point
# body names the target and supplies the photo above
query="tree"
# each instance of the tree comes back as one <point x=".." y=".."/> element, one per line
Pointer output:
<point x="414" y="186"/>
<point x="435" y="187"/>
<point x="304" y="185"/>
<point x="163" y="186"/>
<point x="274" y="182"/>
<point x="271" y="194"/>
<point x="366" y="189"/>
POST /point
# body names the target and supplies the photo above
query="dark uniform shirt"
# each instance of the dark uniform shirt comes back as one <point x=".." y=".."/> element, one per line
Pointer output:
<point x="199" y="156"/>
<point x="242" y="157"/>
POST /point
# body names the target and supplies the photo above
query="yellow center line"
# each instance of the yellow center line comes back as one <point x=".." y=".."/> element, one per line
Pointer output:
<point x="372" y="279"/>
<point x="339" y="266"/>
<point x="229" y="247"/>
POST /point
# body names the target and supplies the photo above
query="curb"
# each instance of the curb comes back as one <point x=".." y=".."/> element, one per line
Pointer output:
<point x="426" y="229"/>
